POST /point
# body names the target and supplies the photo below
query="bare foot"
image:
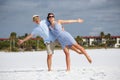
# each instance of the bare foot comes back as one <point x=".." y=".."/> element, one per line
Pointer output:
<point x="68" y="70"/>
<point x="49" y="70"/>
<point x="90" y="60"/>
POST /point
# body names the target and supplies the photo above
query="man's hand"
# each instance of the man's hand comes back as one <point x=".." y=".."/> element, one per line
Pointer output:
<point x="25" y="39"/>
<point x="20" y="41"/>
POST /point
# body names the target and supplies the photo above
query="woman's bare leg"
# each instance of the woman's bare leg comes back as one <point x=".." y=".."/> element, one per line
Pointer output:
<point x="76" y="50"/>
<point x="83" y="51"/>
<point x="66" y="51"/>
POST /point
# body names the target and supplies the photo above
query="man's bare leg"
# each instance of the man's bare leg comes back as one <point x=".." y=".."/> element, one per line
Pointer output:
<point x="49" y="61"/>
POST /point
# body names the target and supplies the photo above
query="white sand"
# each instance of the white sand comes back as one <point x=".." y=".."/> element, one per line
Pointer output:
<point x="32" y="66"/>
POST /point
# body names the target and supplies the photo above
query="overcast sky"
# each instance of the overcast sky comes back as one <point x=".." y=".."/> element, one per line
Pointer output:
<point x="99" y="15"/>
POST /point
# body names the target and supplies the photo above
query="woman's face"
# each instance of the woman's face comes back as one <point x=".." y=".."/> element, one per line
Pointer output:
<point x="51" y="18"/>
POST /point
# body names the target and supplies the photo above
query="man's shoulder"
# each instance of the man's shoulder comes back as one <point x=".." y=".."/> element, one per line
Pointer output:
<point x="38" y="27"/>
<point x="34" y="29"/>
<point x="44" y="22"/>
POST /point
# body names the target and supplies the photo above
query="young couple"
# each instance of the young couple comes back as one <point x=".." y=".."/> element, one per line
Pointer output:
<point x="51" y="31"/>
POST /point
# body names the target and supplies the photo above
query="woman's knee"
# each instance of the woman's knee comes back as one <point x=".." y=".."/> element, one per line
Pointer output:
<point x="66" y="51"/>
<point x="78" y="46"/>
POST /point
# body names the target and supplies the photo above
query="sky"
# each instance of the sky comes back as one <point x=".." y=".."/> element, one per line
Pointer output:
<point x="98" y="15"/>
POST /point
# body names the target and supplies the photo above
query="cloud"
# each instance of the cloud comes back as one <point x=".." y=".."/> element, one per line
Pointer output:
<point x="96" y="31"/>
<point x="98" y="1"/>
<point x="98" y="15"/>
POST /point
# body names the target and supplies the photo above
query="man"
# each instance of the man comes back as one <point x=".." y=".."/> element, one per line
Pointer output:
<point x="43" y="31"/>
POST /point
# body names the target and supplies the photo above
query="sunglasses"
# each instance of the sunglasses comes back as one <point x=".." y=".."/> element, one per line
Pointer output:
<point x="51" y="16"/>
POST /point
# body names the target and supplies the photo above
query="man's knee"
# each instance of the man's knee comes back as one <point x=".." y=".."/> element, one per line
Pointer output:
<point x="49" y="56"/>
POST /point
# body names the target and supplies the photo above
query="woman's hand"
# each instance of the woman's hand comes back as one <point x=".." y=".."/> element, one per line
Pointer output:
<point x="80" y="20"/>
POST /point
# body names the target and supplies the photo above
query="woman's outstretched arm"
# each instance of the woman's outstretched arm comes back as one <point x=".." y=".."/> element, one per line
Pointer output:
<point x="70" y="21"/>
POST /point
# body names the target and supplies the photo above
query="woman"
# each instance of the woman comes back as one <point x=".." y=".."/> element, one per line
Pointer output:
<point x="66" y="40"/>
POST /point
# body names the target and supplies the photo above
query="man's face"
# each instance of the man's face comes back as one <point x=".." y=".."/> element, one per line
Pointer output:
<point x="37" y="19"/>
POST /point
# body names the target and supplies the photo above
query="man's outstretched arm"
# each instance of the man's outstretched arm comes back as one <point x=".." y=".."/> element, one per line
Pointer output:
<point x="20" y="41"/>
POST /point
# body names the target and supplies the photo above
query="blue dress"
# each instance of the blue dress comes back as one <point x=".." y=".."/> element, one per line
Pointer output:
<point x="63" y="37"/>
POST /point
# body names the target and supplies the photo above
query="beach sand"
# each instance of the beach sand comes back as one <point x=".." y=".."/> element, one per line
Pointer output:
<point x="32" y="65"/>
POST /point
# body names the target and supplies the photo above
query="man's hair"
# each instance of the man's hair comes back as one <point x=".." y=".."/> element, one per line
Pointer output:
<point x="35" y="18"/>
